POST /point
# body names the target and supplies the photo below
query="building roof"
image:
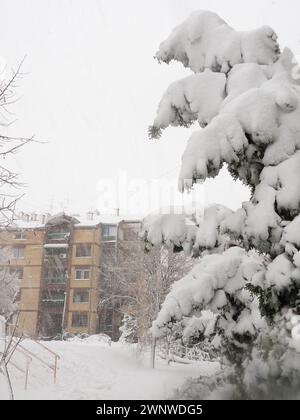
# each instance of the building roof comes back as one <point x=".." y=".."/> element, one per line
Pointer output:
<point x="88" y="220"/>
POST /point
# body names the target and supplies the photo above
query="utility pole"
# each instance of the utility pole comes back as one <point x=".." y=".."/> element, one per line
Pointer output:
<point x="63" y="316"/>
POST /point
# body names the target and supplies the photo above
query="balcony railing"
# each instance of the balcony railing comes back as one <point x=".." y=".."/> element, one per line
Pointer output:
<point x="53" y="302"/>
<point x="58" y="235"/>
<point x="56" y="257"/>
<point x="109" y="237"/>
<point x="55" y="280"/>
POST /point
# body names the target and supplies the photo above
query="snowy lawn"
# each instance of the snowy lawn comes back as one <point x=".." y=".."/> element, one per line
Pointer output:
<point x="93" y="370"/>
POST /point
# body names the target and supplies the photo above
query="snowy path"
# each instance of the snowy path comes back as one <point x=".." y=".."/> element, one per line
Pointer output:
<point x="97" y="371"/>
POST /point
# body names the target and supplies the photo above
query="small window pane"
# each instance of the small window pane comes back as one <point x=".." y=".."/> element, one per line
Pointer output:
<point x="82" y="273"/>
<point x="80" y="319"/>
<point x="19" y="252"/>
<point x="83" y="250"/>
<point x="109" y="232"/>
<point x="80" y="296"/>
<point x="21" y="235"/>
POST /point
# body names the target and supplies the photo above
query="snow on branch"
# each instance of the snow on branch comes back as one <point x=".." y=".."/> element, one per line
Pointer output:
<point x="196" y="97"/>
<point x="209" y="286"/>
<point x="243" y="296"/>
<point x="193" y="233"/>
<point x="204" y="40"/>
<point x="177" y="230"/>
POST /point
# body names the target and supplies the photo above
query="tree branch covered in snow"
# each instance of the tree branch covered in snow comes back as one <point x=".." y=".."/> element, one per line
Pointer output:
<point x="246" y="97"/>
<point x="196" y="234"/>
<point x="204" y="40"/>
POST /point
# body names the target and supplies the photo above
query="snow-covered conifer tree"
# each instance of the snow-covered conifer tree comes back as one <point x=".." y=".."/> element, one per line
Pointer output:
<point x="245" y="94"/>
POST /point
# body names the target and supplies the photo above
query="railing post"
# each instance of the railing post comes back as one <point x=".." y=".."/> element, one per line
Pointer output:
<point x="55" y="368"/>
<point x="26" y="373"/>
<point x="153" y="348"/>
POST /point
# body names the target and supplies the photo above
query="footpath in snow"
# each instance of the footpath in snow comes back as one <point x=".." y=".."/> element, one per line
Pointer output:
<point x="95" y="370"/>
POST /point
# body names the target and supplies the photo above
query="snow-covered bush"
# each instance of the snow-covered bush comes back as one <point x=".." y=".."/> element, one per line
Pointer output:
<point x="128" y="329"/>
<point x="246" y="99"/>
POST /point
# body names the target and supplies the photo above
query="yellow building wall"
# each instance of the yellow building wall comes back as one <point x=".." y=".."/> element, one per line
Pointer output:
<point x="31" y="276"/>
<point x="83" y="235"/>
<point x="33" y="236"/>
<point x="28" y="322"/>
<point x="80" y="284"/>
<point x="32" y="271"/>
<point x="34" y="254"/>
<point x="29" y="299"/>
<point x="93" y="322"/>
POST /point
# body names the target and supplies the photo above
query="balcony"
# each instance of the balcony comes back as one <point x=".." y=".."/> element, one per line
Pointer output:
<point x="55" y="280"/>
<point x="53" y="302"/>
<point x="55" y="253"/>
<point x="58" y="236"/>
<point x="109" y="238"/>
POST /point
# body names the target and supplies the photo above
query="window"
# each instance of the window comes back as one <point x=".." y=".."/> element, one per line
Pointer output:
<point x="17" y="272"/>
<point x="82" y="273"/>
<point x="19" y="251"/>
<point x="21" y="235"/>
<point x="83" y="250"/>
<point x="80" y="296"/>
<point x="109" y="232"/>
<point x="79" y="319"/>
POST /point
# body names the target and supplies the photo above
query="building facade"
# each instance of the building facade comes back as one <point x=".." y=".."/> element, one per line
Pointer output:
<point x="59" y="261"/>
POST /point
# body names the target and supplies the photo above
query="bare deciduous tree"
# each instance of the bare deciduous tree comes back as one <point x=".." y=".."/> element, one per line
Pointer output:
<point x="136" y="282"/>
<point x="9" y="146"/>
<point x="9" y="184"/>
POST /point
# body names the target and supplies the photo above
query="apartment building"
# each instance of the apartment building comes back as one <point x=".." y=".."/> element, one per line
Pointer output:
<point x="58" y="260"/>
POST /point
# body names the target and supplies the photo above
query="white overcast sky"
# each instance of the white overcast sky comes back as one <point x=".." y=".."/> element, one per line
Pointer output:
<point x="92" y="88"/>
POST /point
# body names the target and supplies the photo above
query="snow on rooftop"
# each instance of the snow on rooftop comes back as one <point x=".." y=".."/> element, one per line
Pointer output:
<point x="87" y="220"/>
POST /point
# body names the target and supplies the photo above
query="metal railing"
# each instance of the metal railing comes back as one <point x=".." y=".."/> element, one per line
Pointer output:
<point x="109" y="238"/>
<point x="58" y="235"/>
<point x="28" y="354"/>
<point x="53" y="302"/>
<point x="53" y="367"/>
<point x="55" y="280"/>
<point x="18" y="367"/>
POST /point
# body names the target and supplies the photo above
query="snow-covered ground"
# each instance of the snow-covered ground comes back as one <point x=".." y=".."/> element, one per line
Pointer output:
<point x="90" y="369"/>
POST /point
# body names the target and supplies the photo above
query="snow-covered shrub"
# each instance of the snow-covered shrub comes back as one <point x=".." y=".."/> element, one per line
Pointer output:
<point x="128" y="329"/>
<point x="250" y="281"/>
